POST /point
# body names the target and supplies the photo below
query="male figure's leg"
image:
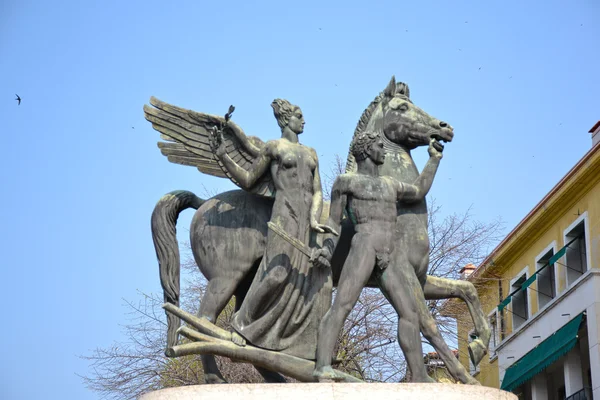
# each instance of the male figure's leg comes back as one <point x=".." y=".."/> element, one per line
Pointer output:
<point x="355" y="274"/>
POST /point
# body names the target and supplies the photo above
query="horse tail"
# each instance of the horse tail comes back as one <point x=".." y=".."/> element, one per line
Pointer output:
<point x="163" y="221"/>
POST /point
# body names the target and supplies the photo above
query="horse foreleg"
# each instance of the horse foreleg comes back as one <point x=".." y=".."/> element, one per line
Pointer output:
<point x="443" y="288"/>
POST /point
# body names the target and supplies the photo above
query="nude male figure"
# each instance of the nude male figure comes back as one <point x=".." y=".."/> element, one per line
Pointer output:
<point x="370" y="201"/>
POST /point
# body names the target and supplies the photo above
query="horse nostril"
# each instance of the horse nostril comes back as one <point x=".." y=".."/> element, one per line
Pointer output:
<point x="443" y="124"/>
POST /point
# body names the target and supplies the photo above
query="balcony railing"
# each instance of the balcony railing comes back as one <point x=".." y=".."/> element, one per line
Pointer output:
<point x="581" y="395"/>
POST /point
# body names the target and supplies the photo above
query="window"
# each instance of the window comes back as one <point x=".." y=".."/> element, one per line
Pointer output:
<point x="493" y="319"/>
<point x="546" y="277"/>
<point x="520" y="300"/>
<point x="576" y="255"/>
<point x="474" y="370"/>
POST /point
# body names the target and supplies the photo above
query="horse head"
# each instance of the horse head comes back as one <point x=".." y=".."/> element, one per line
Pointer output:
<point x="402" y="126"/>
<point x="407" y="125"/>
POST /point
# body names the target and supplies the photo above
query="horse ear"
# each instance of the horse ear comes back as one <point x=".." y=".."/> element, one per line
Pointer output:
<point x="390" y="90"/>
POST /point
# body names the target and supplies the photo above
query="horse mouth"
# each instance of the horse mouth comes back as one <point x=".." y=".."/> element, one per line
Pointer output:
<point x="440" y="139"/>
<point x="445" y="135"/>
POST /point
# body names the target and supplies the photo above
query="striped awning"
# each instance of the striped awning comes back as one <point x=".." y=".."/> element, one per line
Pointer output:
<point x="544" y="354"/>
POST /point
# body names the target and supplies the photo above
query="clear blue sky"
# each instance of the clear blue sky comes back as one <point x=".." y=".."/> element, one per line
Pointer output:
<point x="81" y="173"/>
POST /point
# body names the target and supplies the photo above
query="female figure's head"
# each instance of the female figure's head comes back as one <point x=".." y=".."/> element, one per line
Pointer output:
<point x="288" y="116"/>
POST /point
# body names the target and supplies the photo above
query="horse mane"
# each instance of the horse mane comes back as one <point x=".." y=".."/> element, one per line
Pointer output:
<point x="365" y="118"/>
<point x="360" y="128"/>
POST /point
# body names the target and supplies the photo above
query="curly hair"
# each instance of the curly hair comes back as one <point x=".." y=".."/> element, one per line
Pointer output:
<point x="361" y="143"/>
<point x="283" y="110"/>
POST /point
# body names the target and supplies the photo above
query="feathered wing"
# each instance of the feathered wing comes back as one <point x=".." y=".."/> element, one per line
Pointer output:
<point x="186" y="134"/>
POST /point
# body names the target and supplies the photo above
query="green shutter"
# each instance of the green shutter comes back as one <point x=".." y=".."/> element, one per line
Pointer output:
<point x="561" y="252"/>
<point x="558" y="255"/>
<point x="528" y="282"/>
<point x="524" y="286"/>
<point x="504" y="303"/>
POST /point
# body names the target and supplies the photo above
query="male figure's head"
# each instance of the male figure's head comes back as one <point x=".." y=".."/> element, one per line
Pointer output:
<point x="288" y="115"/>
<point x="368" y="145"/>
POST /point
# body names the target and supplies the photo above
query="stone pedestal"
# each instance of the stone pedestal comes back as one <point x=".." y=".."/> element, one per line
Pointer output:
<point x="330" y="391"/>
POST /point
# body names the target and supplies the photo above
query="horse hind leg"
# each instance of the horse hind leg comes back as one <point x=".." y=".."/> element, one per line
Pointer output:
<point x="432" y="334"/>
<point x="429" y="329"/>
<point x="216" y="296"/>
<point x="443" y="288"/>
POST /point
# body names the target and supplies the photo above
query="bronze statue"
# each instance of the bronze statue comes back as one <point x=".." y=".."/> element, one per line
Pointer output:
<point x="229" y="232"/>
<point x="370" y="201"/>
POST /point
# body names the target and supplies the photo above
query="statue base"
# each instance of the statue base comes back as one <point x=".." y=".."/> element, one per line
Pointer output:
<point x="330" y="391"/>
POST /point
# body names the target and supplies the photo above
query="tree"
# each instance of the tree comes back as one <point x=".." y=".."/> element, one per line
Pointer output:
<point x="132" y="367"/>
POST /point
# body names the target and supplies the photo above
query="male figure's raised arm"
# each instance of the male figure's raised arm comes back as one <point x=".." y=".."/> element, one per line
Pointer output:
<point x="417" y="191"/>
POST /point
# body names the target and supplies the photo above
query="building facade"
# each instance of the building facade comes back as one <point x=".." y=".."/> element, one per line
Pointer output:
<point x="540" y="289"/>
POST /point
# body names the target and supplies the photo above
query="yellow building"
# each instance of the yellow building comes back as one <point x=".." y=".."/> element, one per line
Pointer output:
<point x="540" y="288"/>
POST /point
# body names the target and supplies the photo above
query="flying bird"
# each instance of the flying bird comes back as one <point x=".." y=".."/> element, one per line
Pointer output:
<point x="18" y="99"/>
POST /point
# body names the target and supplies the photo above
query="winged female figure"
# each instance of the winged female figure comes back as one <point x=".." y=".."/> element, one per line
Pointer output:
<point x="287" y="297"/>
